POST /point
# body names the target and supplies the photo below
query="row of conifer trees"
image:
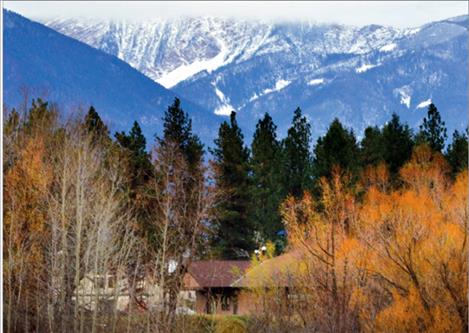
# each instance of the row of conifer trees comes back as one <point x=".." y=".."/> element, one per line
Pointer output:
<point x="256" y="179"/>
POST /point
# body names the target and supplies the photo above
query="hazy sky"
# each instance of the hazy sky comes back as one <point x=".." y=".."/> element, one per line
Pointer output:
<point x="394" y="13"/>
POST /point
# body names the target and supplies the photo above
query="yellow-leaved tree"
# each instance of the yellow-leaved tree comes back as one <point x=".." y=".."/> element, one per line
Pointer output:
<point x="333" y="261"/>
<point x="417" y="235"/>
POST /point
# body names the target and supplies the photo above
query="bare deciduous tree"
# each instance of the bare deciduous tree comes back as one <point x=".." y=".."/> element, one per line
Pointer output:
<point x="182" y="203"/>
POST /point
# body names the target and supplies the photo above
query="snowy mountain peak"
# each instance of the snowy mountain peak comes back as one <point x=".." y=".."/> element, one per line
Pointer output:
<point x="360" y="75"/>
<point x="170" y="51"/>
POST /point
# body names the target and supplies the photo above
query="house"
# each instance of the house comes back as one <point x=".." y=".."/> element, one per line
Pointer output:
<point x="108" y="291"/>
<point x="209" y="286"/>
<point x="231" y="286"/>
<point x="212" y="281"/>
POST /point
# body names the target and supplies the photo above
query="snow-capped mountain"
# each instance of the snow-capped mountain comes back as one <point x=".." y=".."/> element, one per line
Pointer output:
<point x="70" y="73"/>
<point x="359" y="74"/>
<point x="170" y="51"/>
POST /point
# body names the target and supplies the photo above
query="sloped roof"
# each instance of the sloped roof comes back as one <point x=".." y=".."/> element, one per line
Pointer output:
<point x="275" y="272"/>
<point x="215" y="273"/>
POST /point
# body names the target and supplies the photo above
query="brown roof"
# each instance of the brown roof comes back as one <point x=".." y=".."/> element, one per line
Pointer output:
<point x="215" y="273"/>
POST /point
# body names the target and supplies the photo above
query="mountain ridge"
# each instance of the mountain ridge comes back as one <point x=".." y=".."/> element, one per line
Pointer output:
<point x="358" y="74"/>
<point x="73" y="73"/>
<point x="242" y="38"/>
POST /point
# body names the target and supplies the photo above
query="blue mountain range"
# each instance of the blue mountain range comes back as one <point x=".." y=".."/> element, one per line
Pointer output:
<point x="40" y="62"/>
<point x="360" y="75"/>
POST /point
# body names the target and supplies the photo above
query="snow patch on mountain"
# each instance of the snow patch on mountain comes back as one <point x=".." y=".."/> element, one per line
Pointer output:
<point x="225" y="108"/>
<point x="185" y="71"/>
<point x="424" y="104"/>
<point x="365" y="67"/>
<point x="279" y="85"/>
<point x="254" y="97"/>
<point x="315" y="82"/>
<point x="388" y="47"/>
<point x="405" y="99"/>
<point x="405" y="95"/>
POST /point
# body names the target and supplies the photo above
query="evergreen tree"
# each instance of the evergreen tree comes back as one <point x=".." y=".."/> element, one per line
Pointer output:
<point x="397" y="144"/>
<point x="134" y="144"/>
<point x="433" y="130"/>
<point x="41" y="117"/>
<point x="297" y="156"/>
<point x="11" y="131"/>
<point x="372" y="147"/>
<point x="234" y="233"/>
<point x="178" y="129"/>
<point x="338" y="147"/>
<point x="96" y="127"/>
<point x="178" y="135"/>
<point x="12" y="122"/>
<point x="457" y="154"/>
<point x="266" y="190"/>
<point x="140" y="171"/>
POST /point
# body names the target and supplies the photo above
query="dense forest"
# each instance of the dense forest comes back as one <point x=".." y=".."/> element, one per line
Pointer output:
<point x="381" y="222"/>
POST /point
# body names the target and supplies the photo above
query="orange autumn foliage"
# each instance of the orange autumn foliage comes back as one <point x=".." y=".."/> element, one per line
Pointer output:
<point x="393" y="260"/>
<point x="324" y="232"/>
<point x="26" y="190"/>
<point x="418" y="237"/>
<point x="25" y="222"/>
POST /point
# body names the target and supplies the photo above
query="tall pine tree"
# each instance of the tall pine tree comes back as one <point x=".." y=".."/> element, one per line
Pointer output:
<point x="178" y="129"/>
<point x="457" y="154"/>
<point x="397" y="144"/>
<point x="266" y="190"/>
<point x="372" y="146"/>
<point x="134" y="144"/>
<point x="433" y="130"/>
<point x="297" y="156"/>
<point x="178" y="136"/>
<point x="234" y="234"/>
<point x="96" y="127"/>
<point x="337" y="148"/>
<point x="139" y="170"/>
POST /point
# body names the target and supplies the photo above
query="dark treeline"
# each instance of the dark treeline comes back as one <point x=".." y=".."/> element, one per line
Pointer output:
<point x="258" y="178"/>
<point x="255" y="180"/>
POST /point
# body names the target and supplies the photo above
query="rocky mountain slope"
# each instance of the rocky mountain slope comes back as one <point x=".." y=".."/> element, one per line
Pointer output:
<point x="359" y="74"/>
<point x="47" y="64"/>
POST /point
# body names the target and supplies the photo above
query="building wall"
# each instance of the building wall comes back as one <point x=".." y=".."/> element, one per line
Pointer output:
<point x="104" y="289"/>
<point x="246" y="302"/>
